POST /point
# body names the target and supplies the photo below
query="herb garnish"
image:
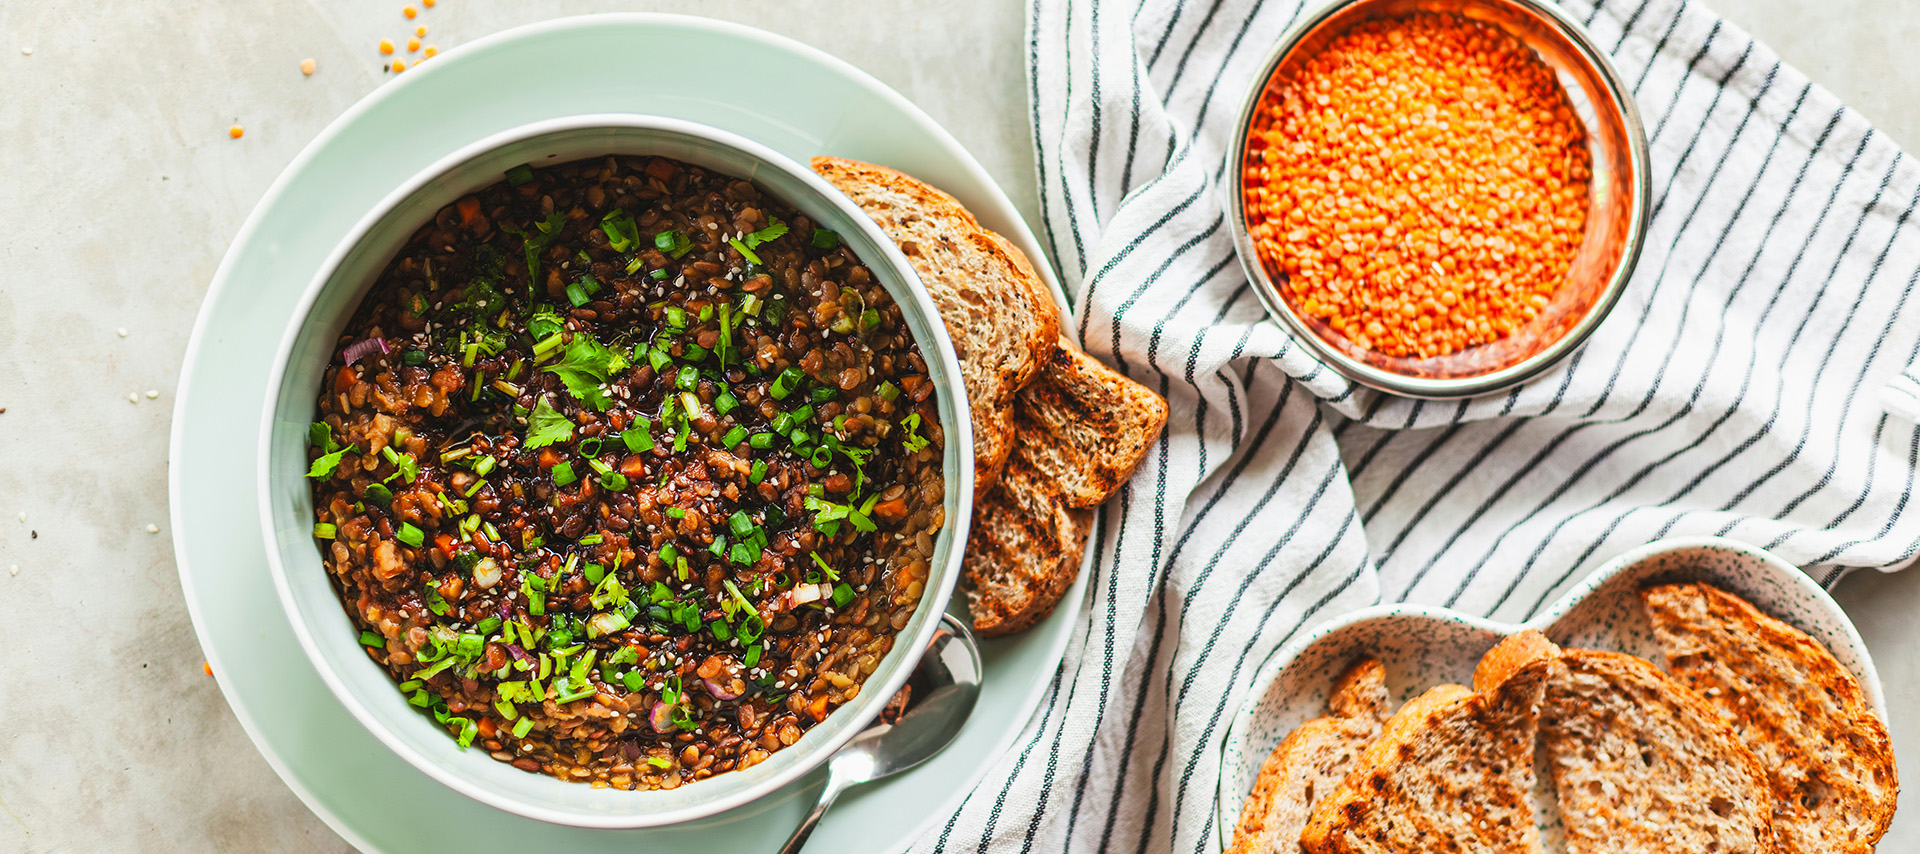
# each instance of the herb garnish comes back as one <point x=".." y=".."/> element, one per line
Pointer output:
<point x="545" y="426"/>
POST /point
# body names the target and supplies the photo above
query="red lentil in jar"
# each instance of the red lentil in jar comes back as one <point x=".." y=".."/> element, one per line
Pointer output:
<point x="1421" y="185"/>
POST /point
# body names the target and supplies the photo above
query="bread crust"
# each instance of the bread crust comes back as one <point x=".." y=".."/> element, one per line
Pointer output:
<point x="1828" y="758"/>
<point x="1085" y="426"/>
<point x="1641" y="764"/>
<point x="1311" y="761"/>
<point x="1407" y="784"/>
<point x="998" y="311"/>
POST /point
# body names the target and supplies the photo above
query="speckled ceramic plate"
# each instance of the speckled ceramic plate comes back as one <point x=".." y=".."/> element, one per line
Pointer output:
<point x="1423" y="647"/>
<point x="657" y="64"/>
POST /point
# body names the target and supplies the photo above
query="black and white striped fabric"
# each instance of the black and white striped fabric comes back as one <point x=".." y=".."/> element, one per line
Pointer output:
<point x="1754" y="382"/>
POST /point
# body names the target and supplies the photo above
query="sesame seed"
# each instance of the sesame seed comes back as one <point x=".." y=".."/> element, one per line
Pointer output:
<point x="152" y="393"/>
<point x="123" y="331"/>
<point x="153" y="529"/>
<point x="132" y="397"/>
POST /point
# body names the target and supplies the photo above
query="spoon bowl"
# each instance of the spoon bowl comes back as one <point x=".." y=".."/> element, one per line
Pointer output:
<point x="915" y="726"/>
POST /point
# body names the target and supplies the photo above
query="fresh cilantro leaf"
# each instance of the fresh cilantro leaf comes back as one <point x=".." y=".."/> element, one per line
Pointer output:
<point x="479" y="299"/>
<point x="772" y="231"/>
<point x="324" y="466"/>
<point x="320" y="435"/>
<point x="545" y="232"/>
<point x="913" y="440"/>
<point x="621" y="232"/>
<point x="824" y="239"/>
<point x="583" y="366"/>
<point x="546" y="426"/>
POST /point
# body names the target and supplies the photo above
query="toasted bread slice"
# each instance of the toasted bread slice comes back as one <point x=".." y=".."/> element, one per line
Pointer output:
<point x="1311" y="761"/>
<point x="999" y="313"/>
<point x="1451" y="771"/>
<point x="1085" y="426"/>
<point x="1023" y="553"/>
<point x="1642" y="766"/>
<point x="1827" y="756"/>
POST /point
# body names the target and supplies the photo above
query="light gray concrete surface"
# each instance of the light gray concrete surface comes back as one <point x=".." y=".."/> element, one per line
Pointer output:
<point x="119" y="191"/>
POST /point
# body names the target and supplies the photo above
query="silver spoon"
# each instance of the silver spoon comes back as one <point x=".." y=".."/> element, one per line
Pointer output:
<point x="942" y="691"/>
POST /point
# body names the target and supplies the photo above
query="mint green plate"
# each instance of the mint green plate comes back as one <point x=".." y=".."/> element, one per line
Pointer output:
<point x="792" y="98"/>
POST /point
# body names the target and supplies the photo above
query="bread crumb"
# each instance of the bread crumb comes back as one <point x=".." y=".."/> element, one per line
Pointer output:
<point x="307" y="66"/>
<point x="14" y="569"/>
<point x="26" y="51"/>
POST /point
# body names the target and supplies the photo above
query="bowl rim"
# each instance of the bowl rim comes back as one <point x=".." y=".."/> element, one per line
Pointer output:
<point x="959" y="451"/>
<point x="1273" y="667"/>
<point x="1429" y="388"/>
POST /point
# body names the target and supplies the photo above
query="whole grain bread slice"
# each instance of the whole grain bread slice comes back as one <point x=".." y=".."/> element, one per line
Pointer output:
<point x="1451" y="771"/>
<point x="1827" y="755"/>
<point x="1311" y="761"/>
<point x="1085" y="426"/>
<point x="998" y="311"/>
<point x="1023" y="552"/>
<point x="1642" y="766"/>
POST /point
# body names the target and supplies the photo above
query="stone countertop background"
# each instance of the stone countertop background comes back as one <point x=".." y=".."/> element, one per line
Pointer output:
<point x="119" y="191"/>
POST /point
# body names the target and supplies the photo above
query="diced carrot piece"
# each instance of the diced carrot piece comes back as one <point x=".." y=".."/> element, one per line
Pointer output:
<point x="469" y="209"/>
<point x="548" y="459"/>
<point x="662" y="168"/>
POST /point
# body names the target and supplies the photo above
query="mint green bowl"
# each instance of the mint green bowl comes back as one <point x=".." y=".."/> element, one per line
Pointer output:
<point x="321" y="624"/>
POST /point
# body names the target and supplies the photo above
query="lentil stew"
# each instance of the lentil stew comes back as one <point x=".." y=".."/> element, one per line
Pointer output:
<point x="628" y="473"/>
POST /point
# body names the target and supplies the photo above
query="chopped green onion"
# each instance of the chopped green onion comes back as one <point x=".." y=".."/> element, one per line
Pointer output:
<point x="521" y="728"/>
<point x="734" y="436"/>
<point x="668" y="553"/>
<point x="824" y="239"/>
<point x="744" y="251"/>
<point x="688" y="379"/>
<point x="563" y="474"/>
<point x="740" y="523"/>
<point x="759" y="470"/>
<point x="372" y="639"/>
<point x="577" y="295"/>
<point x="786" y="383"/>
<point x="484" y="466"/>
<point x="725" y="402"/>
<point x="842" y="595"/>
<point x="613" y="481"/>
<point x="590" y="446"/>
<point x="634" y="680"/>
<point x="657" y="275"/>
<point x="520" y="174"/>
<point x="410" y="535"/>
<point x="676" y="512"/>
<point x="826" y="569"/>
<point x="639" y="437"/>
<point x="760" y="441"/>
<point x="325" y="531"/>
<point x="823" y="394"/>
<point x="676" y="317"/>
<point x="591" y="540"/>
<point x="720" y="631"/>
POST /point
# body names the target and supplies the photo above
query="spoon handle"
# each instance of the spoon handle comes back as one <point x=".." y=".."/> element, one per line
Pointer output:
<point x="799" y="838"/>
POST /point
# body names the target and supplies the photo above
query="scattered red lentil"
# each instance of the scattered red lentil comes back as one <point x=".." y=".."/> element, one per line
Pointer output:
<point x="420" y="31"/>
<point x="399" y="66"/>
<point x="430" y="51"/>
<point x="410" y="12"/>
<point x="1422" y="184"/>
<point x="307" y="66"/>
<point x="235" y="131"/>
<point x="386" y="47"/>
<point x="427" y="3"/>
<point x="413" y="45"/>
<point x="206" y="667"/>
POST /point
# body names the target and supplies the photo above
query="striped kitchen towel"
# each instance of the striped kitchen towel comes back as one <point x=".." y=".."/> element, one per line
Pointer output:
<point x="1747" y="385"/>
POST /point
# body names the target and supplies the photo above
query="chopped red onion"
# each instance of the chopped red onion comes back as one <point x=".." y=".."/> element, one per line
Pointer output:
<point x="661" y="717"/>
<point x="360" y="349"/>
<point x="719" y="691"/>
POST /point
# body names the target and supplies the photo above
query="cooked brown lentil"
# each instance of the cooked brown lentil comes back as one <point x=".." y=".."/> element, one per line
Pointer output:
<point x="651" y="518"/>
